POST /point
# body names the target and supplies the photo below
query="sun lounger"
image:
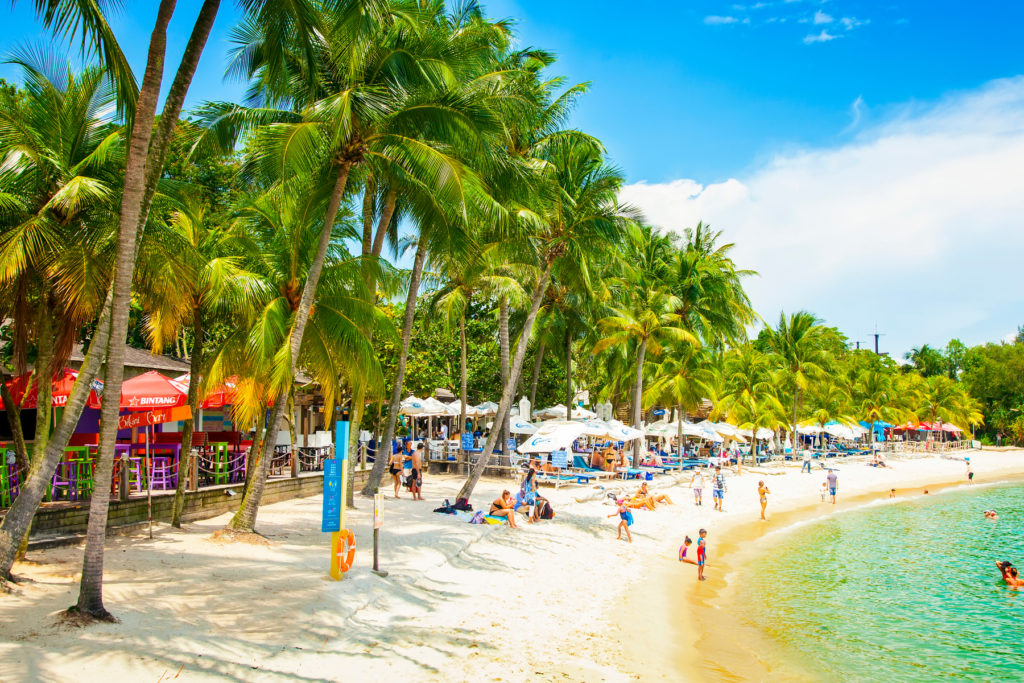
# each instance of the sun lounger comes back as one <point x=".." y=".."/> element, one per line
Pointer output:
<point x="579" y="464"/>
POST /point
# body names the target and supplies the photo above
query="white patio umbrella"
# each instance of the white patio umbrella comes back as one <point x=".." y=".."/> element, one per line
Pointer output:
<point x="518" y="425"/>
<point x="809" y="429"/>
<point x="556" y="435"/>
<point x="411" y="406"/>
<point x="487" y="409"/>
<point x="839" y="431"/>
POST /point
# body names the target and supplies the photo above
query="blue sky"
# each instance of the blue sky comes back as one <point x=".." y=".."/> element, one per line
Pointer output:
<point x="855" y="151"/>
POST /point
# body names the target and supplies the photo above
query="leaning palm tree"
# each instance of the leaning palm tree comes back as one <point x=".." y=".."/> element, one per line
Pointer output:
<point x="576" y="217"/>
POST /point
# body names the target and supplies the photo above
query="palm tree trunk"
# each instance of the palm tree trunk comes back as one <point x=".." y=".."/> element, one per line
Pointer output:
<point x="384" y="447"/>
<point x="463" y="373"/>
<point x="386" y="213"/>
<point x="568" y="375"/>
<point x="679" y="434"/>
<point x="245" y="519"/>
<point x="14" y="418"/>
<point x="90" y="596"/>
<point x="44" y="381"/>
<point x="355" y="421"/>
<point x="368" y="197"/>
<point x="185" y="460"/>
<point x="40" y="473"/>
<point x="506" y="393"/>
<point x="536" y="374"/>
<point x="503" y="342"/>
<point x="637" y="396"/>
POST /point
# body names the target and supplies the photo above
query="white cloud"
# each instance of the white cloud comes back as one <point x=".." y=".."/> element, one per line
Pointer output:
<point x="850" y="23"/>
<point x="856" y="112"/>
<point x="718" y="21"/>
<point x="914" y="224"/>
<point x="822" y="18"/>
<point x="822" y="37"/>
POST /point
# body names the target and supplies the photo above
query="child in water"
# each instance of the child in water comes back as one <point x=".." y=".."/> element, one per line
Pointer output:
<point x="683" y="549"/>
<point x="702" y="552"/>
<point x="625" y="520"/>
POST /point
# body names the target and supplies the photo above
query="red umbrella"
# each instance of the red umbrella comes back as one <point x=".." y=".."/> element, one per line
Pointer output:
<point x="214" y="398"/>
<point x="60" y="390"/>
<point x="152" y="390"/>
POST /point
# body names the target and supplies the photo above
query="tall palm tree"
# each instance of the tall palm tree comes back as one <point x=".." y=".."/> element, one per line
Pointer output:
<point x="829" y="401"/>
<point x="647" y="314"/>
<point x="684" y="378"/>
<point x="799" y="342"/>
<point x="579" y="216"/>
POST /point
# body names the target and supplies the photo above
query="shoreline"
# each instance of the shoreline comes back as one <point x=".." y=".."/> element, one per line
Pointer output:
<point x="711" y="642"/>
<point x="551" y="601"/>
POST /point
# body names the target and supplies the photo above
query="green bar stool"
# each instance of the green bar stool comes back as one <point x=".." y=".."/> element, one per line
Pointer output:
<point x="221" y="463"/>
<point x="6" y="494"/>
<point x="81" y="462"/>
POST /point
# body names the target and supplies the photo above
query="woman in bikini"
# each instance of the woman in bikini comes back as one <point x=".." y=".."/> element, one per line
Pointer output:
<point x="395" y="468"/>
<point x="505" y="507"/>
<point x="763" y="491"/>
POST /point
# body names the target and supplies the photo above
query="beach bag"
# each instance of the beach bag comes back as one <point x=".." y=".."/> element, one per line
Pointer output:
<point x="478" y="518"/>
<point x="446" y="509"/>
<point x="463" y="504"/>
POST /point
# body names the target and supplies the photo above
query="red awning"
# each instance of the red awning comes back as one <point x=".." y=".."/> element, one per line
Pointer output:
<point x="214" y="398"/>
<point x="61" y="390"/>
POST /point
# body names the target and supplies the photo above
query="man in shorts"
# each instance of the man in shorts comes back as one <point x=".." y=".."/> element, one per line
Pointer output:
<point x="833" y="484"/>
<point x="718" y="488"/>
<point x="416" y="477"/>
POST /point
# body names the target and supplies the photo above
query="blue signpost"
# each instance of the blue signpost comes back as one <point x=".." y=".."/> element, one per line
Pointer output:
<point x="343" y="543"/>
<point x="467" y="441"/>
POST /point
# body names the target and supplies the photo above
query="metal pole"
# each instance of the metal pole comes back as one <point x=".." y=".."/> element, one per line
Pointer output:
<point x="149" y="485"/>
<point x="378" y="522"/>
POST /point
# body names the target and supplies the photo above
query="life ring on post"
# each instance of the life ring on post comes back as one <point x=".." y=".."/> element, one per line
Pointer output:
<point x="345" y="550"/>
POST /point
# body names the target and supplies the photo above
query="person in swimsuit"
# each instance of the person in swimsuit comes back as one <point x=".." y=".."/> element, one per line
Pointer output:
<point x="416" y="476"/>
<point x="697" y="485"/>
<point x="763" y="491"/>
<point x="505" y="507"/>
<point x="1010" y="575"/>
<point x="395" y="468"/>
<point x="625" y="520"/>
<point x="683" y="550"/>
<point x="702" y="553"/>
<point x="654" y="498"/>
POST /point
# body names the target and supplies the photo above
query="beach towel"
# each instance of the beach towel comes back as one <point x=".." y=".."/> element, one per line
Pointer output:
<point x="478" y="518"/>
<point x="493" y="520"/>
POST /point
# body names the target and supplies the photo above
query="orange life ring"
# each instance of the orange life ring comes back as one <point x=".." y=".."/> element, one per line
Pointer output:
<point x="345" y="550"/>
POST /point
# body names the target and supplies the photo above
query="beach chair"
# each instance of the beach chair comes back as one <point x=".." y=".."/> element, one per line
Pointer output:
<point x="580" y="466"/>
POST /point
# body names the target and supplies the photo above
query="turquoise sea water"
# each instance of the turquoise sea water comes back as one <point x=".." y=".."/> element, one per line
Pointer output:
<point x="904" y="591"/>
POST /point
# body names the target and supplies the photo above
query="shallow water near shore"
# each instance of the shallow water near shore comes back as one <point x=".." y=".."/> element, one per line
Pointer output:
<point x="900" y="591"/>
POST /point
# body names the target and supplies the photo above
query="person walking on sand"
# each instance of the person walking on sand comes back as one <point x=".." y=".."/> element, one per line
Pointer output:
<point x="416" y="476"/>
<point x="702" y="553"/>
<point x="718" y="488"/>
<point x="806" y="467"/>
<point x="832" y="479"/>
<point x="970" y="472"/>
<point x="625" y="520"/>
<point x="395" y="468"/>
<point x="697" y="485"/>
<point x="763" y="492"/>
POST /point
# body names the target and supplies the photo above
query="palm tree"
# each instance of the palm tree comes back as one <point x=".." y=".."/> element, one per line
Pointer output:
<point x="188" y="276"/>
<point x="647" y="317"/>
<point x="799" y="342"/>
<point x="748" y="395"/>
<point x="684" y="378"/>
<point x="828" y="402"/>
<point x="579" y="217"/>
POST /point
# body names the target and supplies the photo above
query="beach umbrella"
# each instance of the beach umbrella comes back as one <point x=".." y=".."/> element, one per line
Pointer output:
<point x="724" y="428"/>
<point x="621" y="432"/>
<point x="213" y="398"/>
<point x="948" y="427"/>
<point x="660" y="428"/>
<point x="60" y="389"/>
<point x="555" y="435"/>
<point x="487" y="409"/>
<point x="809" y="429"/>
<point x="840" y="431"/>
<point x="517" y="425"/>
<point x="152" y="390"/>
<point x="411" y="406"/>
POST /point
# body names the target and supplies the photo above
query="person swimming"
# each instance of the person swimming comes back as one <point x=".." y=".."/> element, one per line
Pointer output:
<point x="1010" y="575"/>
<point x="991" y="514"/>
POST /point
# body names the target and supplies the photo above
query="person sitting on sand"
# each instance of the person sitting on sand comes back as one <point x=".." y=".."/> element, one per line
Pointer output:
<point x="655" y="498"/>
<point x="684" y="549"/>
<point x="505" y="507"/>
<point x="625" y="520"/>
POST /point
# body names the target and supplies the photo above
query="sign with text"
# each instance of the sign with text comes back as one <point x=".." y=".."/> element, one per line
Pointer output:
<point x="152" y="417"/>
<point x="331" y="520"/>
<point x="467" y="441"/>
<point x="559" y="459"/>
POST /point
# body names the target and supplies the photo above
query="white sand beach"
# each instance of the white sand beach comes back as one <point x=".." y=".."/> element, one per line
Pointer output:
<point x="559" y="600"/>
